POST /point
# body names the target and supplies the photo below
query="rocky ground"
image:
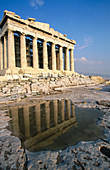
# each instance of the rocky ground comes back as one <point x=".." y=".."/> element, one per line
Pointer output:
<point x="84" y="155"/>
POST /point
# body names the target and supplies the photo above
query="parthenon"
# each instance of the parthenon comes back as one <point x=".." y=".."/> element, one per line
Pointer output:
<point x="31" y="47"/>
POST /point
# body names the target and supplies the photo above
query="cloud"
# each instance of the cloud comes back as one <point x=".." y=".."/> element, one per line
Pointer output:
<point x="83" y="60"/>
<point x="36" y="3"/>
<point x="88" y="41"/>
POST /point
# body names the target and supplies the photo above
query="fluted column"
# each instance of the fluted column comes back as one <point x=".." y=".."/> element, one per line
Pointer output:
<point x="61" y="58"/>
<point x="53" y="57"/>
<point x="23" y="50"/>
<point x="45" y="58"/>
<point x="11" y="49"/>
<point x="35" y="53"/>
<point x="1" y="55"/>
<point x="5" y="52"/>
<point x="67" y="60"/>
<point x="72" y="60"/>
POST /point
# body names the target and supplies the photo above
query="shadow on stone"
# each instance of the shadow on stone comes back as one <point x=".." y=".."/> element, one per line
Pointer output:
<point x="104" y="150"/>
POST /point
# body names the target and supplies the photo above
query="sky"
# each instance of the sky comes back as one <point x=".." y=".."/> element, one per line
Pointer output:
<point x="85" y="21"/>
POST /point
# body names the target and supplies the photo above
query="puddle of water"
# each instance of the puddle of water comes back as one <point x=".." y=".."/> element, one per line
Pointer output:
<point x="105" y="88"/>
<point x="53" y="125"/>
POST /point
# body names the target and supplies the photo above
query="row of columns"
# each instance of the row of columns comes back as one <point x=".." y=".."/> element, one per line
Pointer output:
<point x="11" y="54"/>
<point x="70" y="114"/>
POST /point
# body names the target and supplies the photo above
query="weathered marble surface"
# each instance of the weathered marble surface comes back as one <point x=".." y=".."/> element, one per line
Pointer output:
<point x="84" y="155"/>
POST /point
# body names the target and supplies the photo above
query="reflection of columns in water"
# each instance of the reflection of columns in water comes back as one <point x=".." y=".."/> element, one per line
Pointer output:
<point x="55" y="108"/>
<point x="68" y="108"/>
<point x="73" y="111"/>
<point x="62" y="110"/>
<point x="15" y="123"/>
<point x="26" y="121"/>
<point x="38" y="117"/>
<point x="47" y="114"/>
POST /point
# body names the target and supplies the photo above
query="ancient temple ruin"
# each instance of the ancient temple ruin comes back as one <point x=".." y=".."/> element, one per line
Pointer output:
<point x="30" y="47"/>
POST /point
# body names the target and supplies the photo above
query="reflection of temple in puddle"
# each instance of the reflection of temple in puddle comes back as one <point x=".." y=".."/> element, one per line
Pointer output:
<point x="39" y="125"/>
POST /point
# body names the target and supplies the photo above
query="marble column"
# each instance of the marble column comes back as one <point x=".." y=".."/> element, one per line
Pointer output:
<point x="11" y="49"/>
<point x="61" y="58"/>
<point x="35" y="53"/>
<point x="1" y="55"/>
<point x="45" y="56"/>
<point x="53" y="57"/>
<point x="23" y="50"/>
<point x="72" y="60"/>
<point x="5" y="52"/>
<point x="67" y="60"/>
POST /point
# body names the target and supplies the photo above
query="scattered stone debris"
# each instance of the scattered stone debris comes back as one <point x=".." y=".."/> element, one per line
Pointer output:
<point x="97" y="79"/>
<point x="103" y="102"/>
<point x="26" y="85"/>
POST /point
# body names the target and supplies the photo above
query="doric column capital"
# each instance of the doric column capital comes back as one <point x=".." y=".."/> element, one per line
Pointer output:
<point x="22" y="33"/>
<point x="71" y="49"/>
<point x="9" y="30"/>
<point x="67" y="48"/>
<point x="4" y="34"/>
<point x="53" y="43"/>
<point x="35" y="36"/>
<point x="61" y="46"/>
<point x="44" y="40"/>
